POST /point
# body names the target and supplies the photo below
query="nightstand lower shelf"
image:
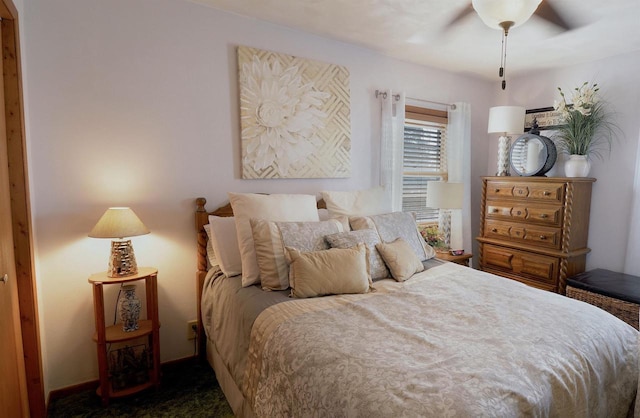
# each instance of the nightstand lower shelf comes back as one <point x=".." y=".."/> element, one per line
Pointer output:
<point x="125" y="392"/>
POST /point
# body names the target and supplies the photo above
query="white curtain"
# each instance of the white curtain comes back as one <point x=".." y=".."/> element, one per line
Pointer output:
<point x="392" y="146"/>
<point x="632" y="261"/>
<point x="459" y="171"/>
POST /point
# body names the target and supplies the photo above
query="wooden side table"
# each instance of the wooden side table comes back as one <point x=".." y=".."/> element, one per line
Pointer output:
<point x="458" y="259"/>
<point x="106" y="335"/>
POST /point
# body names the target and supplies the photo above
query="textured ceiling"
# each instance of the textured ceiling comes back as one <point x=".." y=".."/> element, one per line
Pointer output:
<point x="417" y="31"/>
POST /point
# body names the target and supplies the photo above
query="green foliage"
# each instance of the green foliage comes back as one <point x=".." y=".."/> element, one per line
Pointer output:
<point x="589" y="128"/>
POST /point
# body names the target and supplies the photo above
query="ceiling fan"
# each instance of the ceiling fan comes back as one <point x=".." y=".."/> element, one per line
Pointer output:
<point x="506" y="14"/>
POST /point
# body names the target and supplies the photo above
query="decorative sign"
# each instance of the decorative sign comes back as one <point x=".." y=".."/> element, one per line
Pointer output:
<point x="294" y="115"/>
<point x="548" y="118"/>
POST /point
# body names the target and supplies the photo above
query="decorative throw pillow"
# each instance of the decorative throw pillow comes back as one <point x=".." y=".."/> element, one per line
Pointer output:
<point x="225" y="244"/>
<point x="273" y="207"/>
<point x="400" y="259"/>
<point x="391" y="226"/>
<point x="357" y="203"/>
<point x="328" y="272"/>
<point x="270" y="238"/>
<point x="368" y="237"/>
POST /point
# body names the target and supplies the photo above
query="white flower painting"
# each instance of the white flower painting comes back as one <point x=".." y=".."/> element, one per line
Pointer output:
<point x="295" y="117"/>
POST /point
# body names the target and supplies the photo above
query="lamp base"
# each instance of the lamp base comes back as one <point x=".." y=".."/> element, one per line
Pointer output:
<point x="444" y="226"/>
<point x="122" y="261"/>
<point x="504" y="148"/>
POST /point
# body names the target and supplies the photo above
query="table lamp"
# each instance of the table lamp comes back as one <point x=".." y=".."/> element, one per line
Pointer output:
<point x="445" y="196"/>
<point x="505" y="120"/>
<point x="120" y="223"/>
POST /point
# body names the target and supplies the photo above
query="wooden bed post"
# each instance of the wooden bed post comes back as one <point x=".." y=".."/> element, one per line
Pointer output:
<point x="202" y="218"/>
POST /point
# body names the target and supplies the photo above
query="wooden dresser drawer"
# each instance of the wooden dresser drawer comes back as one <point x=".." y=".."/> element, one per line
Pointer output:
<point x="544" y="192"/>
<point x="541" y="236"/>
<point x="537" y="267"/>
<point x="544" y="215"/>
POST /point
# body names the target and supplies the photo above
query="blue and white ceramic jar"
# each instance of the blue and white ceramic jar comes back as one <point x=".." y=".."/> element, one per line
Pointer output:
<point x="129" y="308"/>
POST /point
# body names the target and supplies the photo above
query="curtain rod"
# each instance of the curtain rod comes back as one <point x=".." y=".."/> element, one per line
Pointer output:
<point x="397" y="97"/>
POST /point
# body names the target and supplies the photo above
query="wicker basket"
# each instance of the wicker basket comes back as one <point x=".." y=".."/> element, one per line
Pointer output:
<point x="624" y="310"/>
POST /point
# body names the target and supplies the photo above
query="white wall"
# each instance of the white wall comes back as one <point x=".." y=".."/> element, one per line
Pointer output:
<point x="134" y="102"/>
<point x="612" y="196"/>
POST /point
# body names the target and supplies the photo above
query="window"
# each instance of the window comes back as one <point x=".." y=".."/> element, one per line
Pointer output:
<point x="424" y="159"/>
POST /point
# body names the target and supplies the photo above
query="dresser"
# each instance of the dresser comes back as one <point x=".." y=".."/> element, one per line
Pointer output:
<point x="535" y="229"/>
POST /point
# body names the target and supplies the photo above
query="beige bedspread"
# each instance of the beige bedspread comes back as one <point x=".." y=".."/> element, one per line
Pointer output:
<point x="449" y="342"/>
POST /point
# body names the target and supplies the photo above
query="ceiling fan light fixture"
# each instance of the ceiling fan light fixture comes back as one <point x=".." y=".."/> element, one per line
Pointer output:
<point x="494" y="12"/>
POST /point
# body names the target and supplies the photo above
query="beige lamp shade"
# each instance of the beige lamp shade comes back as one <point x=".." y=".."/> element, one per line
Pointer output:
<point x="506" y="120"/>
<point x="444" y="195"/>
<point x="118" y="223"/>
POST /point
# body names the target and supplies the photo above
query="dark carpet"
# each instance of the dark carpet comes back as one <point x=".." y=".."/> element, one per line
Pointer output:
<point x="188" y="389"/>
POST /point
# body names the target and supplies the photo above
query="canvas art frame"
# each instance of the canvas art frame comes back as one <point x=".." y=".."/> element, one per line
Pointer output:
<point x="295" y="116"/>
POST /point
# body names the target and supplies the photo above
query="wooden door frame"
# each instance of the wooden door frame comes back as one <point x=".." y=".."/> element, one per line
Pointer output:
<point x="20" y="207"/>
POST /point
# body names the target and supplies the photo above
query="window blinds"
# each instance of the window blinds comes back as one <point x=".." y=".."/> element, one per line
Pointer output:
<point x="424" y="160"/>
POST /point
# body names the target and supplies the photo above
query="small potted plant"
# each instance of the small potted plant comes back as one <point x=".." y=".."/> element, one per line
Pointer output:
<point x="433" y="237"/>
<point x="587" y="131"/>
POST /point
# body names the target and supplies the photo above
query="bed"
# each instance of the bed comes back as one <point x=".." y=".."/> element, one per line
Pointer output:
<point x="449" y="341"/>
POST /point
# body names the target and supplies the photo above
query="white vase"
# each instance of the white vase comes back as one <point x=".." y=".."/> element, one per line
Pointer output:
<point x="577" y="166"/>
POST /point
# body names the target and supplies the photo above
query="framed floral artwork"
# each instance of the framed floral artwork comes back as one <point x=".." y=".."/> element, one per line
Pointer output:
<point x="294" y="116"/>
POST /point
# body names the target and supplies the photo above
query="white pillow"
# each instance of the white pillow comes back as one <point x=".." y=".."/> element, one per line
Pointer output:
<point x="211" y="253"/>
<point x="225" y="244"/>
<point x="357" y="203"/>
<point x="274" y="207"/>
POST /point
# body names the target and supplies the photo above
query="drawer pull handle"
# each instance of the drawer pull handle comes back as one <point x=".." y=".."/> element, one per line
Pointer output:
<point x="546" y="193"/>
<point x="494" y="230"/>
<point x="494" y="210"/>
<point x="497" y="190"/>
<point x="543" y="237"/>
<point x="544" y="216"/>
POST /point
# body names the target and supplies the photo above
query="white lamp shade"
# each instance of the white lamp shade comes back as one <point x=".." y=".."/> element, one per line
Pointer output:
<point x="506" y="120"/>
<point x="494" y="12"/>
<point x="443" y="195"/>
<point x="118" y="223"/>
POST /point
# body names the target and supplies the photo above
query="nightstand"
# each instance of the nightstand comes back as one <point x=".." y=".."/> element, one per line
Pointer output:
<point x="106" y="336"/>
<point x="458" y="259"/>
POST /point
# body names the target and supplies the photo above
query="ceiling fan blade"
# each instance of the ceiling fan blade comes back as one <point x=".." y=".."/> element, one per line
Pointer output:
<point x="461" y="15"/>
<point x="547" y="12"/>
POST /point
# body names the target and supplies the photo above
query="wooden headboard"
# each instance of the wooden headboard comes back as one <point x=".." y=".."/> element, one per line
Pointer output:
<point x="202" y="219"/>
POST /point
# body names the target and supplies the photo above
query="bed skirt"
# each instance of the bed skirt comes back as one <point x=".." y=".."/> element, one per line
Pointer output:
<point x="238" y="403"/>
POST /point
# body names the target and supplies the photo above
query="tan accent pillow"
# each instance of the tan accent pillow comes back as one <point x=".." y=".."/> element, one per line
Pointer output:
<point x="270" y="238"/>
<point x="274" y="207"/>
<point x="400" y="258"/>
<point x="329" y="272"/>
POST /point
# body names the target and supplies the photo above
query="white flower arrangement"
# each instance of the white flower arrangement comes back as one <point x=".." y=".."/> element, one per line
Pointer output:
<point x="587" y="129"/>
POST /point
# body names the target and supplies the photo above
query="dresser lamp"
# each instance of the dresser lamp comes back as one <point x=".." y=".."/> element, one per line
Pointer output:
<point x="120" y="223"/>
<point x="445" y="196"/>
<point x="505" y="120"/>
